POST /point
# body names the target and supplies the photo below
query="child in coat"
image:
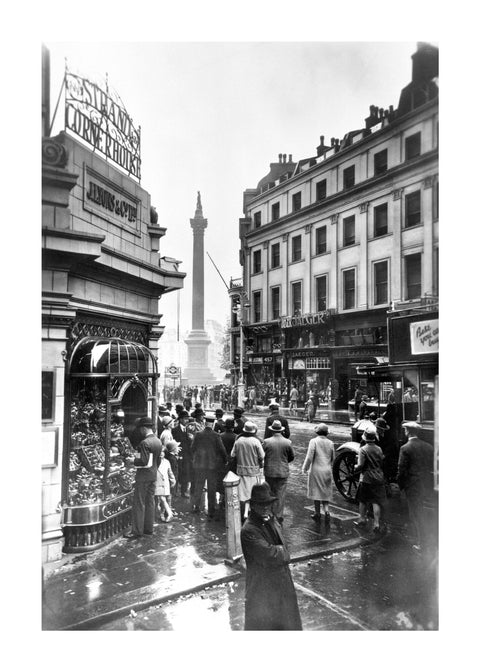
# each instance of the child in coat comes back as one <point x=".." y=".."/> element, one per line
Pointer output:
<point x="172" y="450"/>
<point x="165" y="481"/>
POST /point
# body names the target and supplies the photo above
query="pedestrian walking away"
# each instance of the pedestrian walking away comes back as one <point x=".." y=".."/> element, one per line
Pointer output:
<point x="249" y="455"/>
<point x="278" y="454"/>
<point x="275" y="415"/>
<point x="318" y="467"/>
<point x="146" y="460"/>
<point x="415" y="478"/>
<point x="371" y="487"/>
<point x="209" y="458"/>
<point x="270" y="597"/>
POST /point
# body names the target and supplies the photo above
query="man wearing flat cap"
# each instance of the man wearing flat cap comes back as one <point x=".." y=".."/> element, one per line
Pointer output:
<point x="415" y="477"/>
<point x="270" y="597"/>
<point x="275" y="415"/>
<point x="146" y="460"/>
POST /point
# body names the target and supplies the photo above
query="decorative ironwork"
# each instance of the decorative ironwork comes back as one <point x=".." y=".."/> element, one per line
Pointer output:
<point x="54" y="153"/>
<point x="129" y="333"/>
<point x="99" y="117"/>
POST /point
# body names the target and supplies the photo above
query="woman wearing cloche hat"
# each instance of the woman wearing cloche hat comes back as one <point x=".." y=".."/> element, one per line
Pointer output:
<point x="318" y="465"/>
<point x="371" y="488"/>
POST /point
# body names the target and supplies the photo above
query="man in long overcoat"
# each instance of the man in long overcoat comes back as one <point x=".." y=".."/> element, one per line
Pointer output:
<point x="278" y="454"/>
<point x="209" y="458"/>
<point x="270" y="597"/>
<point x="415" y="477"/>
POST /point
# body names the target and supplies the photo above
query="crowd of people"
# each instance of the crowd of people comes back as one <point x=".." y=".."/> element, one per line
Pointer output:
<point x="192" y="451"/>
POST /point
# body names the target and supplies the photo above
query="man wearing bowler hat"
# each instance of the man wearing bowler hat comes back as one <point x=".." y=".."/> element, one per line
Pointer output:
<point x="270" y="597"/>
<point x="147" y="460"/>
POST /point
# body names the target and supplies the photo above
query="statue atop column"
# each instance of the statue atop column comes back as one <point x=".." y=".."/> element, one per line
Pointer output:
<point x="197" y="341"/>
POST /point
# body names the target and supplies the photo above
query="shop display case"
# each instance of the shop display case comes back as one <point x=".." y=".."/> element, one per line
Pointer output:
<point x="111" y="382"/>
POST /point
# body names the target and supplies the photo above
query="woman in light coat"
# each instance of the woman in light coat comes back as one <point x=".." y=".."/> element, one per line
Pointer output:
<point x="318" y="465"/>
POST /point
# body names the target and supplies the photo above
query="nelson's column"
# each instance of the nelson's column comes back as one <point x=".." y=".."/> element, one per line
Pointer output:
<point x="197" y="340"/>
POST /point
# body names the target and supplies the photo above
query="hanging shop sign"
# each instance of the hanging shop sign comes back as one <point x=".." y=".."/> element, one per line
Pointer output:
<point x="424" y="337"/>
<point x="303" y="320"/>
<point x="99" y="118"/>
<point x="109" y="201"/>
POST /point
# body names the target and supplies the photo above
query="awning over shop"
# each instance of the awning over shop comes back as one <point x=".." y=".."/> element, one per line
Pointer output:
<point x="111" y="356"/>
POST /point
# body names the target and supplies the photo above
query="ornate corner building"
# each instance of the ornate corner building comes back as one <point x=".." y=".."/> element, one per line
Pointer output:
<point x="331" y="243"/>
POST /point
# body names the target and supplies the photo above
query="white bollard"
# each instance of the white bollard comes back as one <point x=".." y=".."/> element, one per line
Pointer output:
<point x="233" y="523"/>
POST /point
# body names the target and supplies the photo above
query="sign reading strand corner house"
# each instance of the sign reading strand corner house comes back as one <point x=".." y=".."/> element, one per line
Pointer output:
<point x="424" y="337"/>
<point x="99" y="118"/>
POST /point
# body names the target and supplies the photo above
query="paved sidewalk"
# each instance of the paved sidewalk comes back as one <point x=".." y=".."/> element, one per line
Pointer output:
<point x="187" y="555"/>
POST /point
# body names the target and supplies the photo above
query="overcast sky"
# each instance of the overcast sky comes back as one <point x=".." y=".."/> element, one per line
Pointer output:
<point x="215" y="114"/>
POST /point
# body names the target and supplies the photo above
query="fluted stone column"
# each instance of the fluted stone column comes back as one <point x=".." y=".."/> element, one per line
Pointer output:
<point x="197" y="341"/>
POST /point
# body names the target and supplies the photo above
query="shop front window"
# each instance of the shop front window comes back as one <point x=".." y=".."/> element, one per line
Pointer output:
<point x="427" y="396"/>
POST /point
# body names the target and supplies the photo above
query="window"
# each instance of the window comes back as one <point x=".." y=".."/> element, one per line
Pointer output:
<point x="412" y="209"/>
<point x="321" y="292"/>
<point x="296" y="248"/>
<point x="380" y="282"/>
<point x="413" y="276"/>
<point x="257" y="261"/>
<point x="257" y="306"/>
<point x="349" y="289"/>
<point x="349" y="177"/>
<point x="275" y="303"/>
<point x="380" y="220"/>
<point x="48" y="396"/>
<point x="275" y="211"/>
<point x="257" y="220"/>
<point x="275" y="255"/>
<point x="321" y="240"/>
<point x="349" y="231"/>
<point x="380" y="162"/>
<point x="296" y="201"/>
<point x="413" y="146"/>
<point x="321" y="188"/>
<point x="296" y="298"/>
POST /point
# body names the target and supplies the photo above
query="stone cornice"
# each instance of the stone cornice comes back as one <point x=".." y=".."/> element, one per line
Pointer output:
<point x="342" y="196"/>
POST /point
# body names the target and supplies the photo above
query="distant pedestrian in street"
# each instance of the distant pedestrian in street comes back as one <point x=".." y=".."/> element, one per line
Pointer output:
<point x="239" y="420"/>
<point x="209" y="458"/>
<point x="219" y="425"/>
<point x="318" y="465"/>
<point x="275" y="415"/>
<point x="293" y="398"/>
<point x="278" y="454"/>
<point x="310" y="409"/>
<point x="363" y="407"/>
<point x="270" y="597"/>
<point x="415" y="477"/>
<point x="357" y="398"/>
<point x="371" y="487"/>
<point x="147" y="460"/>
<point x="388" y="444"/>
<point x="252" y="398"/>
<point x="249" y="455"/>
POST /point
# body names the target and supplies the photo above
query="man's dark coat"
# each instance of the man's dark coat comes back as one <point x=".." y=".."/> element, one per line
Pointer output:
<point x="270" y="598"/>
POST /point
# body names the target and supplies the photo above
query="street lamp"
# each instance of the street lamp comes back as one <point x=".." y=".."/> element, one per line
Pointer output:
<point x="242" y="305"/>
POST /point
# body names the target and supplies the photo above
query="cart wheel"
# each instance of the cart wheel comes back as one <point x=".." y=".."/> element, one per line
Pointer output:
<point x="345" y="478"/>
